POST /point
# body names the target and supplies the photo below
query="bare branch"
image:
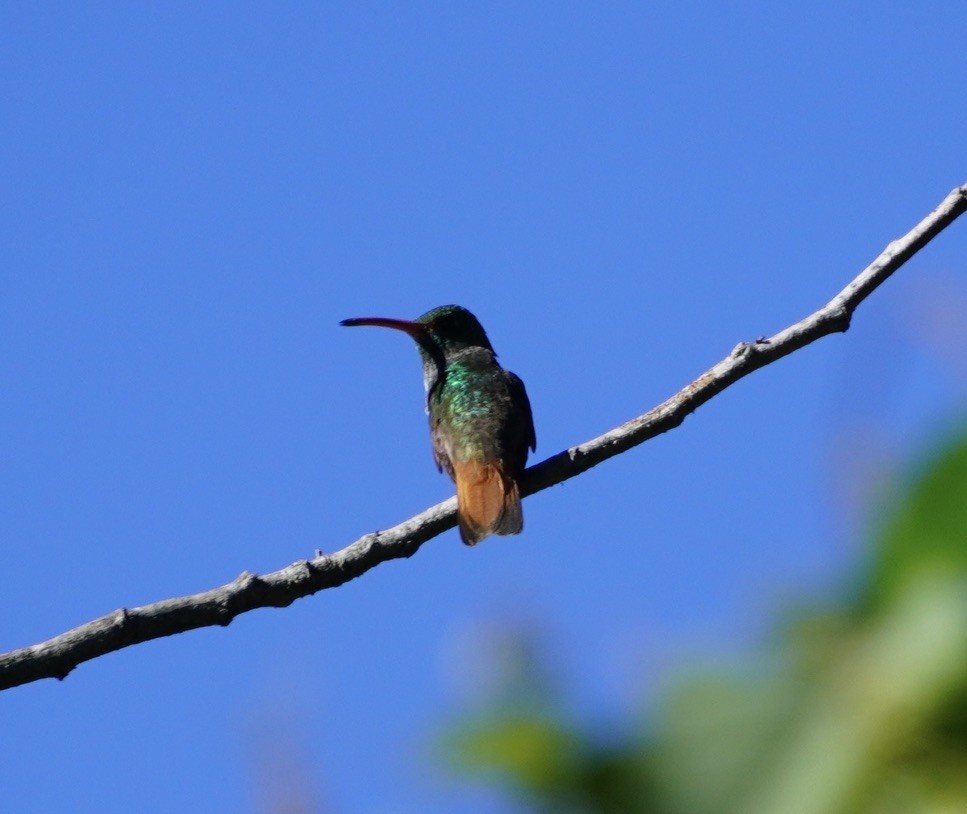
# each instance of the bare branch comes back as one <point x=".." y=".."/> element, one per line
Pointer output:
<point x="56" y="657"/>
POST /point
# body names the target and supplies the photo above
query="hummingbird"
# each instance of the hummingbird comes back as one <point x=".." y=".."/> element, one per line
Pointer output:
<point x="480" y="417"/>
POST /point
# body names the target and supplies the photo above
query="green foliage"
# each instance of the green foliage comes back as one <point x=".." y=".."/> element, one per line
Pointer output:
<point x="861" y="708"/>
<point x="927" y="530"/>
<point x="555" y="768"/>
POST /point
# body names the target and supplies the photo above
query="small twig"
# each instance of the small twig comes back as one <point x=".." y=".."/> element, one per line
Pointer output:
<point x="56" y="657"/>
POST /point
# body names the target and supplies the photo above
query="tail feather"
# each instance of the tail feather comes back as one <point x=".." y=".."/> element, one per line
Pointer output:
<point x="488" y="501"/>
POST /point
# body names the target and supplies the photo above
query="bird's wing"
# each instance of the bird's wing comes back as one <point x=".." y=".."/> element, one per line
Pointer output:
<point x="519" y="395"/>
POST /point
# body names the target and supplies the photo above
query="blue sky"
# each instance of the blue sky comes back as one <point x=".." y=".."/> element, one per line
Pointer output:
<point x="194" y="196"/>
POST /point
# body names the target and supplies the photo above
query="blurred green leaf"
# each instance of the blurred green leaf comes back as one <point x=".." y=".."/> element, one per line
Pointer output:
<point x="858" y="708"/>
<point x="927" y="528"/>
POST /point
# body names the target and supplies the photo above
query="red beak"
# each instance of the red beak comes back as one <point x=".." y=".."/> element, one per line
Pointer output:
<point x="414" y="329"/>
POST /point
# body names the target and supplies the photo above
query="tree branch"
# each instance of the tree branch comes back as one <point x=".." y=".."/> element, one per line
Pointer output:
<point x="56" y="657"/>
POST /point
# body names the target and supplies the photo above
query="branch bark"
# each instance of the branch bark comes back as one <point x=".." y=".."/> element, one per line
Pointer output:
<point x="56" y="657"/>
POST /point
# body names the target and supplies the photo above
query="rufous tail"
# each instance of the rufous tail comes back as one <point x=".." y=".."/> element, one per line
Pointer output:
<point x="488" y="501"/>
